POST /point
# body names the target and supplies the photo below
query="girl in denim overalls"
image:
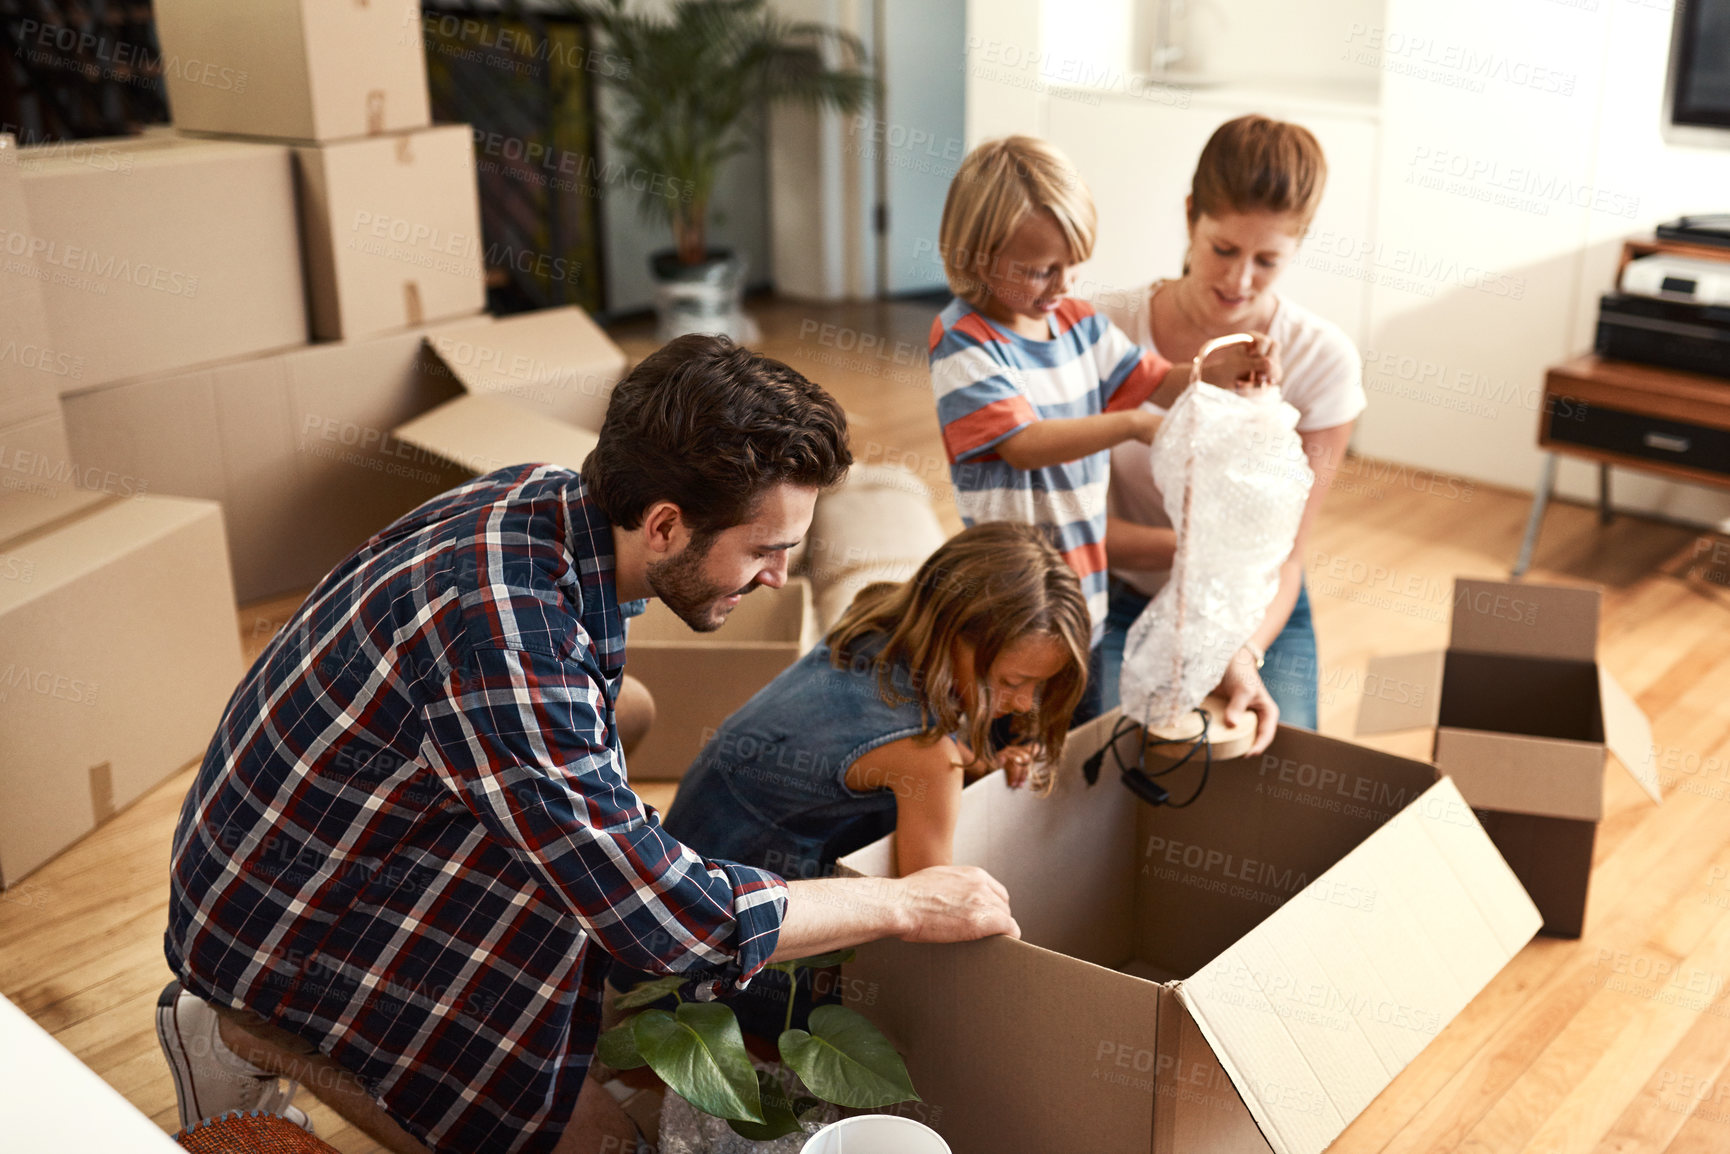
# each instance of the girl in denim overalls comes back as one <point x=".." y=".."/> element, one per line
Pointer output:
<point x="878" y="728"/>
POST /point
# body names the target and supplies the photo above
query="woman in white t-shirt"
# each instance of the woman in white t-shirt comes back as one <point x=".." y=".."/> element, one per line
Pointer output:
<point x="1254" y="193"/>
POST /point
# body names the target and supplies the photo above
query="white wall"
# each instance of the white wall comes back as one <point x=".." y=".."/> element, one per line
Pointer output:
<point x="822" y="183"/>
<point x="1543" y="119"/>
<point x="1261" y="41"/>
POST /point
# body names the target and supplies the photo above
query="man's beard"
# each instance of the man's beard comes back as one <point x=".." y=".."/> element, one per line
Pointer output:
<point x="681" y="586"/>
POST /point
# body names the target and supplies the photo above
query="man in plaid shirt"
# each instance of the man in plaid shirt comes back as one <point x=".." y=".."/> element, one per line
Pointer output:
<point x="411" y="853"/>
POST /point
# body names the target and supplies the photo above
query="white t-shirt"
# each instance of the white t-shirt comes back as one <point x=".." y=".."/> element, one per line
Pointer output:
<point x="1323" y="381"/>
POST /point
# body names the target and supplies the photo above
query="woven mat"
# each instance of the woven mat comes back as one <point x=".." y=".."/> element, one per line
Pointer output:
<point x="254" y="1133"/>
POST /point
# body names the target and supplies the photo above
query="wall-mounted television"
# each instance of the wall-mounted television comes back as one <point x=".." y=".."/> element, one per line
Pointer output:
<point x="1697" y="97"/>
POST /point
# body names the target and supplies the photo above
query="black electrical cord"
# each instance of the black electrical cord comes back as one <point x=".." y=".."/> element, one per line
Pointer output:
<point x="1138" y="779"/>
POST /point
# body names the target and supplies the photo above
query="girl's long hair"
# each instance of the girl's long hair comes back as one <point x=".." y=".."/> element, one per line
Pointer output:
<point x="991" y="586"/>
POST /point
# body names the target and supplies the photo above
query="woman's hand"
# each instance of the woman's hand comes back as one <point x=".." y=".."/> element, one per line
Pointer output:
<point x="1245" y="368"/>
<point x="1242" y="689"/>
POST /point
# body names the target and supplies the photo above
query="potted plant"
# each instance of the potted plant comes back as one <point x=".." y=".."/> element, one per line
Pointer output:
<point x="688" y="81"/>
<point x="698" y="1050"/>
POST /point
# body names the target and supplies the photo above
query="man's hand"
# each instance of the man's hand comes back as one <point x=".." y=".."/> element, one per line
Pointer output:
<point x="938" y="904"/>
<point x="1242" y="689"/>
<point x="1245" y="368"/>
<point x="954" y="904"/>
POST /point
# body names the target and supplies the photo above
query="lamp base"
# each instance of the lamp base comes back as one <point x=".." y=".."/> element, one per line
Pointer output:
<point x="1167" y="745"/>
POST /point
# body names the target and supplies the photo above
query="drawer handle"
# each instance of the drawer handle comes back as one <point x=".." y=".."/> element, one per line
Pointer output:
<point x="1670" y="444"/>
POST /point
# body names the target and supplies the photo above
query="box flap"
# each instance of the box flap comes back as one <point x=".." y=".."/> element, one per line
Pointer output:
<point x="1628" y="734"/>
<point x="1515" y="773"/>
<point x="1524" y="620"/>
<point x="1401" y="691"/>
<point x="992" y="1027"/>
<point x="1316" y="1010"/>
<point x="555" y="361"/>
<point x="1086" y="911"/>
<point x="487" y="433"/>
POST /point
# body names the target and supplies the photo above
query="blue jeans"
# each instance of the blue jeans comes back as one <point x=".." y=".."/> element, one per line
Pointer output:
<point x="1290" y="671"/>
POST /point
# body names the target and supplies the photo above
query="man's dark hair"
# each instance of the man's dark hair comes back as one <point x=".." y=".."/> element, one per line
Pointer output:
<point x="710" y="426"/>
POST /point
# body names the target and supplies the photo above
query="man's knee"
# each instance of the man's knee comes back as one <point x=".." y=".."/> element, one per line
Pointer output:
<point x="635" y="712"/>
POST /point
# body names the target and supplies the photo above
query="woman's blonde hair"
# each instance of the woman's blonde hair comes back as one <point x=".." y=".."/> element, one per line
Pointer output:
<point x="1256" y="163"/>
<point x="998" y="184"/>
<point x="990" y="586"/>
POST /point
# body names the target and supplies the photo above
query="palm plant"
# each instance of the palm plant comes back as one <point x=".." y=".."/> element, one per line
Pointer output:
<point x="688" y="79"/>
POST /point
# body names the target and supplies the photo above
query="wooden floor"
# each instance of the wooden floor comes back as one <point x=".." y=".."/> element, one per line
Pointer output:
<point x="1618" y="1042"/>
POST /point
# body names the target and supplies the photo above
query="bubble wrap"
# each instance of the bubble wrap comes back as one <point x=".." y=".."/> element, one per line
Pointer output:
<point x="1234" y="478"/>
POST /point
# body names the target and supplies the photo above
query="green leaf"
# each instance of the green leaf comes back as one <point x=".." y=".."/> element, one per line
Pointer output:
<point x="647" y="993"/>
<point x="700" y="1053"/>
<point x="780" y="1113"/>
<point x="617" y="1047"/>
<point x="846" y="1060"/>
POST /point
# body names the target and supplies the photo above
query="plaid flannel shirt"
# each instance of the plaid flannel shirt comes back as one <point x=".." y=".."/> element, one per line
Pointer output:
<point x="412" y="841"/>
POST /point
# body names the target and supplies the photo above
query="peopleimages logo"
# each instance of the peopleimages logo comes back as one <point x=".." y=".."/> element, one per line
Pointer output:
<point x="117" y="60"/>
<point x="32" y="356"/>
<point x="103" y="267"/>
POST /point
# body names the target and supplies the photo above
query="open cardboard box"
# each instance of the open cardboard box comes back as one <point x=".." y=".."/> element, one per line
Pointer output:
<point x="117" y="626"/>
<point x="296" y="446"/>
<point x="1242" y="975"/>
<point x="536" y="387"/>
<point x="313" y="450"/>
<point x="699" y="678"/>
<point x="1523" y="715"/>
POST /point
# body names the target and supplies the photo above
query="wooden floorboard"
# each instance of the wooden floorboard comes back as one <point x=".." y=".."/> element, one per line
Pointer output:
<point x="1617" y="1042"/>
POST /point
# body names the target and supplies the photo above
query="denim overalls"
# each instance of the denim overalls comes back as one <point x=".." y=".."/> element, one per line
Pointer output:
<point x="770" y="788"/>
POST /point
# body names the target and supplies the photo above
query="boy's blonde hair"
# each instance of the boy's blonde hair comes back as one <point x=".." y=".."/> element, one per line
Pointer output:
<point x="997" y="185"/>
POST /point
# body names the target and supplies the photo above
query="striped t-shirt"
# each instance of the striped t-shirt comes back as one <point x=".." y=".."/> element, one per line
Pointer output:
<point x="992" y="383"/>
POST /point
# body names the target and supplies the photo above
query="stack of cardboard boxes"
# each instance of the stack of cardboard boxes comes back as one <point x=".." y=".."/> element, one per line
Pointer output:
<point x="208" y="336"/>
<point x="118" y="644"/>
<point x="338" y="213"/>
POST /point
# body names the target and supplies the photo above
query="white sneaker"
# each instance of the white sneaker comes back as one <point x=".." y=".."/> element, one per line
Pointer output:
<point x="209" y="1078"/>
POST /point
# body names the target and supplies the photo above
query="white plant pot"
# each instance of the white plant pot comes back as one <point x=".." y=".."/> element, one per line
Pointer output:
<point x="876" y="1134"/>
<point x="707" y="298"/>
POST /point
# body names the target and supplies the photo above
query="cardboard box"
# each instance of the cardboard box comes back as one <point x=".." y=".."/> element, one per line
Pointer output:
<point x="38" y="483"/>
<point x="30" y="366"/>
<point x="1523" y="716"/>
<point x="392" y="231"/>
<point x="555" y="362"/>
<point x="120" y="650"/>
<point x="1245" y="974"/>
<point x="536" y="389"/>
<point x="698" y="679"/>
<point x="294" y="69"/>
<point x="162" y="252"/>
<point x="297" y="447"/>
<point x="35" y="465"/>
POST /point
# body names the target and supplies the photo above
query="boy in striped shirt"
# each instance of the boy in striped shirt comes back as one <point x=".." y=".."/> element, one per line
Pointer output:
<point x="1034" y="387"/>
